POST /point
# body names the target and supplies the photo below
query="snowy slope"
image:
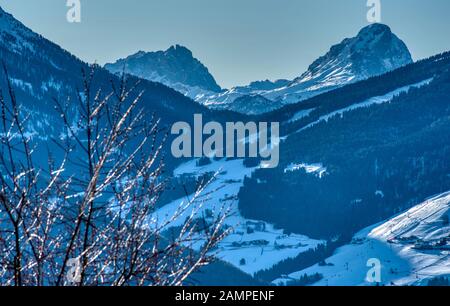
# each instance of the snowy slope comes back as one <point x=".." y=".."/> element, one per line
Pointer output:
<point x="260" y="248"/>
<point x="413" y="248"/>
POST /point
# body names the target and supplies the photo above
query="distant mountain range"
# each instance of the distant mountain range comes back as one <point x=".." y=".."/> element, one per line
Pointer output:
<point x="374" y="51"/>
<point x="354" y="157"/>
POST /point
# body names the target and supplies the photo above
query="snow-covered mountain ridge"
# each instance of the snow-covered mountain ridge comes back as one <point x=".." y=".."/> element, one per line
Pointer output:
<point x="374" y="51"/>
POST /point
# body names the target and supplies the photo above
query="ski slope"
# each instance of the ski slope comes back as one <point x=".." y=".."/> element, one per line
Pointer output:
<point x="413" y="248"/>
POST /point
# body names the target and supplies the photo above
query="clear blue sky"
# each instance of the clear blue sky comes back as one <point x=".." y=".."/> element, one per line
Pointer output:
<point x="238" y="40"/>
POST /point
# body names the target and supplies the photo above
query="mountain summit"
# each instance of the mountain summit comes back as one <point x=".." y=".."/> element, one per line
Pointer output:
<point x="375" y="50"/>
<point x="176" y="67"/>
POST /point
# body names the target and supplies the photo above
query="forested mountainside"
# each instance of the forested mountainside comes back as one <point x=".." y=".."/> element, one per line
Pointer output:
<point x="373" y="51"/>
<point x="371" y="160"/>
<point x="412" y="248"/>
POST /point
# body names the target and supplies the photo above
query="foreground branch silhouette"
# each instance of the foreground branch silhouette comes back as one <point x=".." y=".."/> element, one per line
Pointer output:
<point x="87" y="217"/>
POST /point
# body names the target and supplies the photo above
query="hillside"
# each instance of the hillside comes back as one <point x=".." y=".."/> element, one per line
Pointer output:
<point x="412" y="248"/>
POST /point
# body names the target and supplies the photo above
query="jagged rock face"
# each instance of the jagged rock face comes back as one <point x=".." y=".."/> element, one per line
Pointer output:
<point x="253" y="105"/>
<point x="176" y="67"/>
<point x="376" y="50"/>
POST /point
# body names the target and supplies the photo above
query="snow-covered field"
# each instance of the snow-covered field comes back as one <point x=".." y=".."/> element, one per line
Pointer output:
<point x="253" y="245"/>
<point x="413" y="248"/>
